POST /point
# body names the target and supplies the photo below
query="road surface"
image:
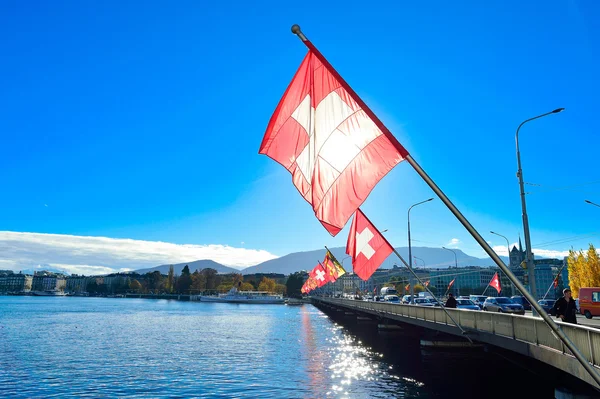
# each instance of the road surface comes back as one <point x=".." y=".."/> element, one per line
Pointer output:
<point x="593" y="322"/>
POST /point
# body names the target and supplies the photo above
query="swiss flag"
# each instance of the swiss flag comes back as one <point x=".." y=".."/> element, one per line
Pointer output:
<point x="319" y="275"/>
<point x="556" y="282"/>
<point x="335" y="152"/>
<point x="367" y="246"/>
<point x="451" y="283"/>
<point x="495" y="282"/>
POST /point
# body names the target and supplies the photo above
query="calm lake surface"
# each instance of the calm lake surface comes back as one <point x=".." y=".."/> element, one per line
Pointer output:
<point x="102" y="347"/>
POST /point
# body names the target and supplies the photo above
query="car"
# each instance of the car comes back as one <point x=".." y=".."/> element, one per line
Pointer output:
<point x="548" y="306"/>
<point x="478" y="300"/>
<point x="467" y="304"/>
<point x="521" y="300"/>
<point x="406" y="299"/>
<point x="391" y="298"/>
<point x="502" y="304"/>
<point x="388" y="291"/>
<point x="423" y="302"/>
<point x="590" y="301"/>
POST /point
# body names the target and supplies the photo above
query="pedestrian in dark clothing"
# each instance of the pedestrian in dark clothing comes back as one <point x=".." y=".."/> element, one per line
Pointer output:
<point x="565" y="307"/>
<point x="451" y="302"/>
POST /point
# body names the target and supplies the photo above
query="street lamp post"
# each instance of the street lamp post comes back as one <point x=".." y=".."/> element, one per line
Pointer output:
<point x="456" y="266"/>
<point x="529" y="256"/>
<point x="592" y="203"/>
<point x="512" y="286"/>
<point x="416" y="257"/>
<point x="410" y="258"/>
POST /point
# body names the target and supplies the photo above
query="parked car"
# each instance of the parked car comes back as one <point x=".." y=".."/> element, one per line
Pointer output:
<point x="547" y="305"/>
<point x="502" y="304"/>
<point x="478" y="300"/>
<point x="521" y="300"/>
<point x="466" y="304"/>
<point x="406" y="299"/>
<point x="589" y="299"/>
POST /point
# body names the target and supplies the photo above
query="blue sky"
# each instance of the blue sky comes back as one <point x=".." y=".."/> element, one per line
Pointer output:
<point x="143" y="120"/>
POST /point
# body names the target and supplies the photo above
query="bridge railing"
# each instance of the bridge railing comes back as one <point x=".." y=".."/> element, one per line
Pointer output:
<point x="532" y="330"/>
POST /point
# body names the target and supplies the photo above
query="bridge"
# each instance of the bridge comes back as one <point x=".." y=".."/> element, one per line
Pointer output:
<point x="526" y="335"/>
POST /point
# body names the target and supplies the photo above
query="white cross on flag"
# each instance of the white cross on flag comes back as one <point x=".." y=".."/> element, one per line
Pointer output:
<point x="367" y="246"/>
<point x="335" y="152"/>
<point x="495" y="282"/>
<point x="319" y="275"/>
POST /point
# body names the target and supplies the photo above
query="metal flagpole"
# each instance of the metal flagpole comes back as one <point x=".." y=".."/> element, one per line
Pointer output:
<point x="486" y="247"/>
<point x="486" y="287"/>
<point x="555" y="279"/>
<point x="474" y="233"/>
<point x="421" y="282"/>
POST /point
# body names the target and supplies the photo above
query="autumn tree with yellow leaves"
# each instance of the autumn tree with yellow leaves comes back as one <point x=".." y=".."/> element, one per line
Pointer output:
<point x="584" y="269"/>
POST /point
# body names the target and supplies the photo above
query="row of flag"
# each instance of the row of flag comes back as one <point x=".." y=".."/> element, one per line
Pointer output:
<point x="336" y="150"/>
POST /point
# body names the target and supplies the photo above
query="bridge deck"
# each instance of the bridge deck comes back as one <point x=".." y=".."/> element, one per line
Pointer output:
<point x="526" y="335"/>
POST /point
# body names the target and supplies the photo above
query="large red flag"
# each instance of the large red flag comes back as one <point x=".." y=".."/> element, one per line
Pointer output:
<point x="367" y="246"/>
<point x="319" y="275"/>
<point x="495" y="282"/>
<point x="325" y="138"/>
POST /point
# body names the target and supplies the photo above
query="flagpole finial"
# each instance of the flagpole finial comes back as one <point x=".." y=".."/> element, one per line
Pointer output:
<point x="298" y="32"/>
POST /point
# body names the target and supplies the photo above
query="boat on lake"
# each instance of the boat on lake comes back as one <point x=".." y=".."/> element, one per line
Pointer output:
<point x="48" y="293"/>
<point x="235" y="296"/>
<point x="294" y="302"/>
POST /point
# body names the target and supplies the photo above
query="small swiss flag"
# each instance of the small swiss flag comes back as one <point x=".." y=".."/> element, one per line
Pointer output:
<point x="367" y="246"/>
<point x="319" y="275"/>
<point x="495" y="282"/>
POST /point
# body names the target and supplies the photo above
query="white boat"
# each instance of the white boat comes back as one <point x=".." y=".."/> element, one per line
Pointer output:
<point x="48" y="293"/>
<point x="235" y="296"/>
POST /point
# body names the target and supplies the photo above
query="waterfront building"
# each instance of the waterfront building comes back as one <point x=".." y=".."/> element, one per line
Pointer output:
<point x="11" y="282"/>
<point x="48" y="281"/>
<point x="77" y="283"/>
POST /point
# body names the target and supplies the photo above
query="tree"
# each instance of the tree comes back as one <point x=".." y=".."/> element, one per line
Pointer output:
<point x="237" y="279"/>
<point x="170" y="283"/>
<point x="184" y="282"/>
<point x="267" y="284"/>
<point x="419" y="288"/>
<point x="246" y="287"/>
<point x="584" y="269"/>
<point x="198" y="282"/>
<point x="294" y="284"/>
<point x="280" y="289"/>
<point x="154" y="281"/>
<point x="135" y="286"/>
<point x="211" y="278"/>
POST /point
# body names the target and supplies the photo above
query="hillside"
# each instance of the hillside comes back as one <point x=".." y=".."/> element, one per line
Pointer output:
<point x="195" y="265"/>
<point x="433" y="257"/>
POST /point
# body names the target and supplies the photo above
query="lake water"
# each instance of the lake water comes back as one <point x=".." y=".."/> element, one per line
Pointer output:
<point x="102" y="347"/>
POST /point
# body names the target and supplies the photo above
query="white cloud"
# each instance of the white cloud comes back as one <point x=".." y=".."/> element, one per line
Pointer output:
<point x="453" y="242"/>
<point x="100" y="255"/>
<point x="539" y="253"/>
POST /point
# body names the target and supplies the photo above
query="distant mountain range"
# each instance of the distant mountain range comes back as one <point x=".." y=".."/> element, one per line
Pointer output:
<point x="298" y="261"/>
<point x="195" y="265"/>
<point x="432" y="257"/>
